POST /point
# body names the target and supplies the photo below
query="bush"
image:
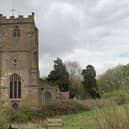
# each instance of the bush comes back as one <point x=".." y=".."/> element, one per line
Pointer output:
<point x="23" y="115"/>
<point x="60" y="108"/>
<point x="116" y="93"/>
<point x="121" y="95"/>
<point x="4" y="121"/>
<point x="26" y="114"/>
<point x="91" y="104"/>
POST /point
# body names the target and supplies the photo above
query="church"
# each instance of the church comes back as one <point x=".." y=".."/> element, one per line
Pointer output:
<point x="20" y="81"/>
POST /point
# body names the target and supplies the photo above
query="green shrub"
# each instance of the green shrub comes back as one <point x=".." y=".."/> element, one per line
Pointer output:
<point x="60" y="108"/>
<point x="121" y="95"/>
<point x="116" y="93"/>
<point x="26" y="114"/>
<point x="4" y="121"/>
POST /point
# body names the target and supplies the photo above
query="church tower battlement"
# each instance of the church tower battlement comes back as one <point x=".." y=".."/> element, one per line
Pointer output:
<point x="20" y="19"/>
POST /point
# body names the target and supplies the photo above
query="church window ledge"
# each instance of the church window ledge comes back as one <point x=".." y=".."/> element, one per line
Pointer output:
<point x="15" y="99"/>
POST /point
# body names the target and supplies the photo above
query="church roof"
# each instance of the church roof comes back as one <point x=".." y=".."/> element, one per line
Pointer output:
<point x="47" y="83"/>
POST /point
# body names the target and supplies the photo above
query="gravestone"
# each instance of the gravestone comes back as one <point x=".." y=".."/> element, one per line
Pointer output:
<point x="54" y="124"/>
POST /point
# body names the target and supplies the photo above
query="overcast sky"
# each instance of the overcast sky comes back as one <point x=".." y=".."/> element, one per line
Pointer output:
<point x="88" y="31"/>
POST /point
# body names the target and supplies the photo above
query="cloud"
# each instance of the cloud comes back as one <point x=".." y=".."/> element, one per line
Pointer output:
<point x="89" y="31"/>
<point x="61" y="29"/>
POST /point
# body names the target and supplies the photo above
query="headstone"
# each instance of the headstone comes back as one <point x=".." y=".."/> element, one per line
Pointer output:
<point x="54" y="124"/>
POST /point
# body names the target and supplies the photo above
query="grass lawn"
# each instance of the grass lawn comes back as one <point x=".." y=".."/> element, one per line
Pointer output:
<point x="95" y="118"/>
<point x="85" y="120"/>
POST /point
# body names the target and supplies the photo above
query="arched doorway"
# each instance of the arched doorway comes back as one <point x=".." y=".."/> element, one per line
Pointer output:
<point x="48" y="98"/>
<point x="15" y="86"/>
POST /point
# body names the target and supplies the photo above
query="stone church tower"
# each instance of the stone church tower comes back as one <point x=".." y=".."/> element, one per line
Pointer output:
<point x="19" y="70"/>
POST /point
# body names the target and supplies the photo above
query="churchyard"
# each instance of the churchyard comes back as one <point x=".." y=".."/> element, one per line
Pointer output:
<point x="95" y="119"/>
<point x="97" y="114"/>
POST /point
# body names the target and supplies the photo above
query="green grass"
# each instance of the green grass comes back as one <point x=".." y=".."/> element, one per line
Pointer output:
<point x="82" y="120"/>
<point x="97" y="118"/>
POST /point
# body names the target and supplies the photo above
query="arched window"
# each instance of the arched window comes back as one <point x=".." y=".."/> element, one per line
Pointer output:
<point x="16" y="32"/>
<point x="15" y="86"/>
<point x="48" y="98"/>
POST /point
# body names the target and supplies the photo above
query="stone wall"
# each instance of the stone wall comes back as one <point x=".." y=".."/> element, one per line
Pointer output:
<point x="46" y="87"/>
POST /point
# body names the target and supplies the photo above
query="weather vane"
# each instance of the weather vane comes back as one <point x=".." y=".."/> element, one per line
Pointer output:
<point x="13" y="11"/>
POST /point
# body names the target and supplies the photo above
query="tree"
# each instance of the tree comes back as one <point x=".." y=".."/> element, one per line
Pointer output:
<point x="74" y="70"/>
<point x="59" y="75"/>
<point x="113" y="78"/>
<point x="75" y="77"/>
<point x="90" y="85"/>
<point x="125" y="75"/>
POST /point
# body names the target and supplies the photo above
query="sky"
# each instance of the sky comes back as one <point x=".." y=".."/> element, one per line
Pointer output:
<point x="87" y="31"/>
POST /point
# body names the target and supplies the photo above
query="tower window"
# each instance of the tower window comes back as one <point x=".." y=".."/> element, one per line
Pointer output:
<point x="15" y="86"/>
<point x="16" y="32"/>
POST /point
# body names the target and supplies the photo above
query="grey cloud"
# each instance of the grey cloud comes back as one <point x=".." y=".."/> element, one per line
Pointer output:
<point x="96" y="29"/>
<point x="61" y="29"/>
